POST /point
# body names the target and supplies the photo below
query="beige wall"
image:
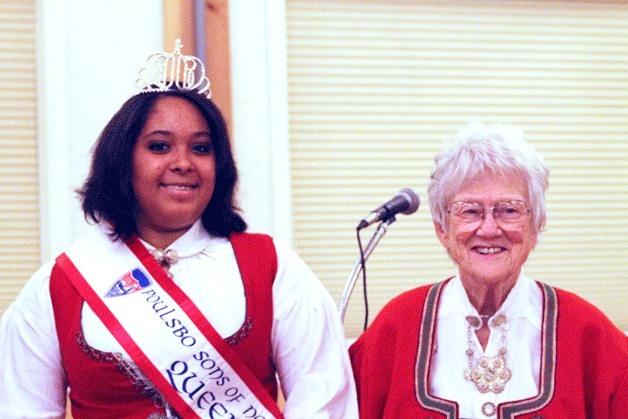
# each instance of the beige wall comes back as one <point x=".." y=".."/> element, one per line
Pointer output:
<point x="19" y="177"/>
<point x="180" y="22"/>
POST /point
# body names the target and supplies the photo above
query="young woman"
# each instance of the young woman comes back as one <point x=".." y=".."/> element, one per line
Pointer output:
<point x="168" y="308"/>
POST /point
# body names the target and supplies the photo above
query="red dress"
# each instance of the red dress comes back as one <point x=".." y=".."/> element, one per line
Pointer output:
<point x="584" y="365"/>
<point x="100" y="387"/>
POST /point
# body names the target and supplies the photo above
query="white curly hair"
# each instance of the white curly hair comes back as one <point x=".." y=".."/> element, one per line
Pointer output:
<point x="498" y="149"/>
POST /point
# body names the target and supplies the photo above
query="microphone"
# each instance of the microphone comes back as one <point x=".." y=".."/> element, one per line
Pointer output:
<point x="406" y="201"/>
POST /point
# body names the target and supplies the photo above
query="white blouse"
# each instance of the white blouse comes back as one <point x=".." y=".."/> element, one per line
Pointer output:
<point x="523" y="308"/>
<point x="308" y="341"/>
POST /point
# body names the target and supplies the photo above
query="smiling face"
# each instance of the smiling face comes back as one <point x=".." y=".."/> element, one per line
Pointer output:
<point x="174" y="170"/>
<point x="489" y="251"/>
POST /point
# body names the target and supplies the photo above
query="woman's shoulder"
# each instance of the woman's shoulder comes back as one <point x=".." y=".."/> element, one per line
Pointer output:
<point x="405" y="305"/>
<point x="411" y="297"/>
<point x="583" y="317"/>
<point x="396" y="323"/>
<point x="40" y="278"/>
<point x="572" y="304"/>
<point x="34" y="296"/>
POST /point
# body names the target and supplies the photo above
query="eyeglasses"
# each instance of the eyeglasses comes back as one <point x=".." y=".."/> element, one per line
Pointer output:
<point x="504" y="212"/>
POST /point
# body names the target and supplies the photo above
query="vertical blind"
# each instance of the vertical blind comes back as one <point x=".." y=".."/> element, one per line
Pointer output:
<point x="19" y="188"/>
<point x="376" y="88"/>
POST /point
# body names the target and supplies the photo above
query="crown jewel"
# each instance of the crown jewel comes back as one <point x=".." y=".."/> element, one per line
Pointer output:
<point x="162" y="71"/>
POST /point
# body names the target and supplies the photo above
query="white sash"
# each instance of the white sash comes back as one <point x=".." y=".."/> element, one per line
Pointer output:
<point x="163" y="332"/>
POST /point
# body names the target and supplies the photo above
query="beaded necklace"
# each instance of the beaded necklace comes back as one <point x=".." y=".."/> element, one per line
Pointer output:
<point x="488" y="373"/>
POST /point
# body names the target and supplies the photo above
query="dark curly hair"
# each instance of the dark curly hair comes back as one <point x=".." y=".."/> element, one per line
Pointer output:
<point x="107" y="194"/>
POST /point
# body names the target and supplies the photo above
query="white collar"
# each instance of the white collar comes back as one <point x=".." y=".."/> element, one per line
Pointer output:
<point x="523" y="301"/>
<point x="192" y="242"/>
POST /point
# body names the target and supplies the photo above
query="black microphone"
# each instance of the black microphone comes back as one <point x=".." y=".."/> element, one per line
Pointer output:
<point x="406" y="201"/>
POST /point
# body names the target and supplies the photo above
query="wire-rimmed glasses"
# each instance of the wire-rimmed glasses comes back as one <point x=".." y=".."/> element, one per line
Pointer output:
<point x="510" y="212"/>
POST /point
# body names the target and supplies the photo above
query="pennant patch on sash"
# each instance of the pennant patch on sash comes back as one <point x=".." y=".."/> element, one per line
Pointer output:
<point x="128" y="283"/>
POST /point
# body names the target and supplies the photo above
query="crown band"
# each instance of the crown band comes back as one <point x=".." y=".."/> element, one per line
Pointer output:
<point x="163" y="72"/>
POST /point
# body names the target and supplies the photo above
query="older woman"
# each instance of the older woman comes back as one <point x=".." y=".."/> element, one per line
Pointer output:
<point x="490" y="342"/>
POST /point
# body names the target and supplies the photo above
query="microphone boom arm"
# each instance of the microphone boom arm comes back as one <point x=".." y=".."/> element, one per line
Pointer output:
<point x="357" y="267"/>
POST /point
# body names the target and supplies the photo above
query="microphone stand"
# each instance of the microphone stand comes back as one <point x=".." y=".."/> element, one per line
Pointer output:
<point x="357" y="268"/>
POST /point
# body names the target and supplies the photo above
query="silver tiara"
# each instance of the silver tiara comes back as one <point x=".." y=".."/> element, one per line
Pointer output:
<point x="162" y="71"/>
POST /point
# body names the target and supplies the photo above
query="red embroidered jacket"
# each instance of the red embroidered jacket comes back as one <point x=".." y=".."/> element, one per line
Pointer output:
<point x="584" y="366"/>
